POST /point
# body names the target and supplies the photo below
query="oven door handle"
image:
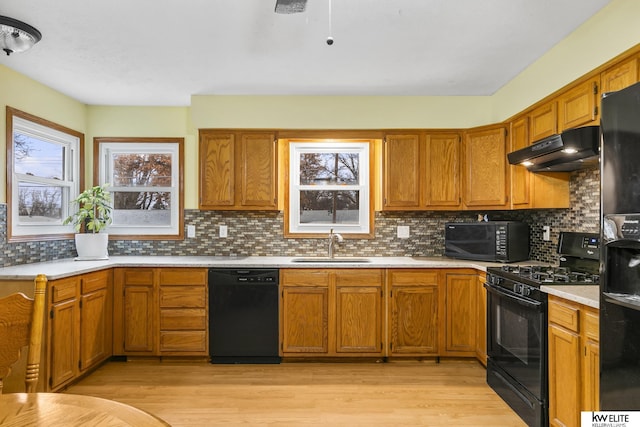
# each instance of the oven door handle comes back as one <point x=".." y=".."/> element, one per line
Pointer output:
<point x="512" y="295"/>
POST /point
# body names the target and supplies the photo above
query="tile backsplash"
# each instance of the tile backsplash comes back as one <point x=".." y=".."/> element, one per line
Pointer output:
<point x="261" y="233"/>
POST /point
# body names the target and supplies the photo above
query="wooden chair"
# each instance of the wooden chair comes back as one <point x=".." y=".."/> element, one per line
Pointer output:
<point x="21" y="324"/>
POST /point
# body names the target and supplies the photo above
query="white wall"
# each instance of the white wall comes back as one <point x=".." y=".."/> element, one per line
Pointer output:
<point x="610" y="32"/>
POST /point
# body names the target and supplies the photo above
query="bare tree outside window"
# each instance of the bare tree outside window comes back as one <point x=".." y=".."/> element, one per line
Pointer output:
<point x="145" y="177"/>
<point x="329" y="205"/>
<point x="38" y="160"/>
<point x="329" y="187"/>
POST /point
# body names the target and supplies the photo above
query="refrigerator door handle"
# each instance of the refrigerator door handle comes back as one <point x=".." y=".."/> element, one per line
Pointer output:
<point x="624" y="300"/>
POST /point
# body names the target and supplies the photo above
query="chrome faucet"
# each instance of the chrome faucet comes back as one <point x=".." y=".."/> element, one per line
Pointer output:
<point x="333" y="239"/>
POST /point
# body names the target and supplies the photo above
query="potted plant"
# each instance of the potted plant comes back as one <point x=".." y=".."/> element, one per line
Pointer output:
<point x="92" y="216"/>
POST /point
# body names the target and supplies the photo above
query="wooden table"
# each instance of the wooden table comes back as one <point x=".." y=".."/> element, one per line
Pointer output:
<point x="70" y="410"/>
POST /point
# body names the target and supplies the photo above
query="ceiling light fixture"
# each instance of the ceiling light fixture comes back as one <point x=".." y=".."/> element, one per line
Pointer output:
<point x="16" y="36"/>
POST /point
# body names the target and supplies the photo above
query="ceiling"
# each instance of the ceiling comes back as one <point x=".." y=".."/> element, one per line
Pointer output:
<point x="160" y="52"/>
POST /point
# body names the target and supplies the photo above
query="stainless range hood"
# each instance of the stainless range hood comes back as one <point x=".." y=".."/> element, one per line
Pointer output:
<point x="571" y="150"/>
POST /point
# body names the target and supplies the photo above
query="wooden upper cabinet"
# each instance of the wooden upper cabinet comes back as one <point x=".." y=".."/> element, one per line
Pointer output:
<point x="620" y="76"/>
<point x="442" y="168"/>
<point x="259" y="170"/>
<point x="402" y="171"/>
<point x="534" y="190"/>
<point x="217" y="169"/>
<point x="238" y="170"/>
<point x="485" y="168"/>
<point x="422" y="171"/>
<point x="520" y="176"/>
<point x="543" y="122"/>
<point x="578" y="106"/>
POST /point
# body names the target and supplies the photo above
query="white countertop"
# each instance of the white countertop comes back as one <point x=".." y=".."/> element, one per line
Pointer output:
<point x="69" y="267"/>
<point x="588" y="295"/>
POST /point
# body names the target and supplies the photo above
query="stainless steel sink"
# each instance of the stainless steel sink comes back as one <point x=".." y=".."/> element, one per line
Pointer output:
<point x="330" y="260"/>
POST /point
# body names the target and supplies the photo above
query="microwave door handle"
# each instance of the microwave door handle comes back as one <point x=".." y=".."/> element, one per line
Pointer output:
<point x="512" y="295"/>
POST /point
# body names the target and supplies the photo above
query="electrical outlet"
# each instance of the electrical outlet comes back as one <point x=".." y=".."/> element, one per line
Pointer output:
<point x="546" y="233"/>
<point x="191" y="231"/>
<point x="403" y="232"/>
<point x="223" y="231"/>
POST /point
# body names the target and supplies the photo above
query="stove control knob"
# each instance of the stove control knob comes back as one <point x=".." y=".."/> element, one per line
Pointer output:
<point x="526" y="291"/>
<point x="517" y="288"/>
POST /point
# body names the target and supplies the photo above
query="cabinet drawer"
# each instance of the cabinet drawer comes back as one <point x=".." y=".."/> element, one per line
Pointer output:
<point x="183" y="276"/>
<point x="93" y="281"/>
<point x="591" y="324"/>
<point x="183" y="341"/>
<point x="177" y="319"/>
<point x="414" y="277"/>
<point x="183" y="296"/>
<point x="304" y="277"/>
<point x="138" y="276"/>
<point x="359" y="278"/>
<point x="564" y="315"/>
<point x="63" y="289"/>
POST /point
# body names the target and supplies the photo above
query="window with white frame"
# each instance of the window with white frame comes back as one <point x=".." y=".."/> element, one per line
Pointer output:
<point x="145" y="178"/>
<point x="43" y="176"/>
<point x="329" y="187"/>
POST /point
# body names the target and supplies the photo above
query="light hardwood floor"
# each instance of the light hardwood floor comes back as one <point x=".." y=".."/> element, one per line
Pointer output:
<point x="397" y="393"/>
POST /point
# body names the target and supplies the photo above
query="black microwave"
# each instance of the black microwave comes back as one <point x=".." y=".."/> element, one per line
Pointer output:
<point x="501" y="241"/>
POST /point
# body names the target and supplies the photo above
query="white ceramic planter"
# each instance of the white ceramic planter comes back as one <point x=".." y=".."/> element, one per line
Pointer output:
<point x="92" y="246"/>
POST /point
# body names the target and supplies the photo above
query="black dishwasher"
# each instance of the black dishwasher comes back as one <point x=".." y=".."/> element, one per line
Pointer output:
<point x="243" y="315"/>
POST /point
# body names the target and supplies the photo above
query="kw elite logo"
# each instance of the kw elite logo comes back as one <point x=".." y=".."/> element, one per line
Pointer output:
<point x="610" y="419"/>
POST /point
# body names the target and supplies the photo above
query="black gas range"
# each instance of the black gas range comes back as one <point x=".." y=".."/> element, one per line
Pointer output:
<point x="517" y="342"/>
<point x="579" y="264"/>
<point x="538" y="275"/>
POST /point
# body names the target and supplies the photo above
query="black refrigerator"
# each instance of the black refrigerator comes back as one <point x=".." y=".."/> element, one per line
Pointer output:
<point x="620" y="252"/>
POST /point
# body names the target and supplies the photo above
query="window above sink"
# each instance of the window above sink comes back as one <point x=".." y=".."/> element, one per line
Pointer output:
<point x="329" y="188"/>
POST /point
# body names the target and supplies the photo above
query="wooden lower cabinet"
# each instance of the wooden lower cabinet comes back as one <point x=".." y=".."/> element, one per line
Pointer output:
<point x="460" y="313"/>
<point x="63" y="331"/>
<point x="79" y="331"/>
<point x="573" y="361"/>
<point x="183" y="303"/>
<point x="160" y="312"/>
<point x="433" y="312"/>
<point x="96" y="318"/>
<point x="413" y="312"/>
<point x="331" y="312"/>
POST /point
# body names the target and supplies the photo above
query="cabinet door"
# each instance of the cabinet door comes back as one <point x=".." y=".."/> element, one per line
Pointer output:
<point x="620" y="76"/>
<point x="543" y="122"/>
<point x="63" y="321"/>
<point x="591" y="360"/>
<point x="64" y="318"/>
<point x="485" y="178"/>
<point x="217" y="169"/>
<point x="358" y="311"/>
<point x="258" y="167"/>
<point x="460" y="313"/>
<point x="95" y="342"/>
<point x="402" y="171"/>
<point x="564" y="377"/>
<point x="96" y="311"/>
<point x="442" y="169"/>
<point x="520" y="176"/>
<point x="136" y="310"/>
<point x="577" y="107"/>
<point x="414" y="317"/>
<point x="139" y="316"/>
<point x="304" y="312"/>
